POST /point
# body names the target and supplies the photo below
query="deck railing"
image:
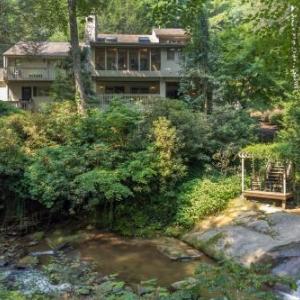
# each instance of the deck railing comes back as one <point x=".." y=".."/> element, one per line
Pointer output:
<point x="15" y="73"/>
<point x="22" y="104"/>
<point x="140" y="99"/>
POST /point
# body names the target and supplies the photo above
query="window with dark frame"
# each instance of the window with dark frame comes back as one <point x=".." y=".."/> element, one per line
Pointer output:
<point x="100" y="58"/>
<point x="122" y="59"/>
<point x="111" y="61"/>
<point x="155" y="60"/>
<point x="170" y="54"/>
<point x="144" y="59"/>
<point x="134" y="60"/>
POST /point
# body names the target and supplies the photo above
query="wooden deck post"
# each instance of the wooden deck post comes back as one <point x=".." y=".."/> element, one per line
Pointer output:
<point x="284" y="187"/>
<point x="284" y="182"/>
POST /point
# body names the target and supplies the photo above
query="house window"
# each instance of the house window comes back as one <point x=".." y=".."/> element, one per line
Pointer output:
<point x="140" y="90"/>
<point x="100" y="58"/>
<point x="114" y="90"/>
<point x="155" y="60"/>
<point x="170" y="54"/>
<point x="122" y="59"/>
<point x="134" y="60"/>
<point x="144" y="59"/>
<point x="111" y="54"/>
<point x="41" y="91"/>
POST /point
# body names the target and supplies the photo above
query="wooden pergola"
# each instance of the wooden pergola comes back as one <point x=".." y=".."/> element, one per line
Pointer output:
<point x="276" y="185"/>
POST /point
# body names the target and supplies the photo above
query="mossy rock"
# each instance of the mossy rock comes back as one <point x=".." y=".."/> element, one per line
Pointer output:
<point x="28" y="262"/>
<point x="37" y="236"/>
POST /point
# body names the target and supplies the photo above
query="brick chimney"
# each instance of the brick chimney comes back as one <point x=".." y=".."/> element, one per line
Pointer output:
<point x="91" y="29"/>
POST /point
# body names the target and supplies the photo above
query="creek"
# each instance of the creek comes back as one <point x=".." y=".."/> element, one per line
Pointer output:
<point x="132" y="260"/>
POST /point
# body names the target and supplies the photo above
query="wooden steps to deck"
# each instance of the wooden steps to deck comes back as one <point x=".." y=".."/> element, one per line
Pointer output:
<point x="274" y="185"/>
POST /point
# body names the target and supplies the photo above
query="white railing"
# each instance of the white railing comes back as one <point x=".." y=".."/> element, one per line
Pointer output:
<point x="142" y="99"/>
<point x="142" y="74"/>
<point x="15" y="73"/>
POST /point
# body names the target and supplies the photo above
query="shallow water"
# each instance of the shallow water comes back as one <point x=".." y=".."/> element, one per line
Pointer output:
<point x="134" y="260"/>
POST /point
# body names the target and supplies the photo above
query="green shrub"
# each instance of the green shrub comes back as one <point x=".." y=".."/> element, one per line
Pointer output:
<point x="7" y="109"/>
<point x="204" y="196"/>
<point x="193" y="128"/>
<point x="229" y="280"/>
<point x="232" y="129"/>
<point x="276" y="117"/>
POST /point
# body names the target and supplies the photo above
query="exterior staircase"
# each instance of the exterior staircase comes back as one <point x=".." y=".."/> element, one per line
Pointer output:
<point x="274" y="178"/>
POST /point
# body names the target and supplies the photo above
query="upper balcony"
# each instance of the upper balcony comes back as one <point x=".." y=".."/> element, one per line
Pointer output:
<point x="28" y="74"/>
<point x="137" y="74"/>
<point x="142" y="62"/>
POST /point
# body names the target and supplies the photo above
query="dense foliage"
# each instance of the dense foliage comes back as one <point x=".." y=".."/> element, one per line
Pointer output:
<point x="117" y="160"/>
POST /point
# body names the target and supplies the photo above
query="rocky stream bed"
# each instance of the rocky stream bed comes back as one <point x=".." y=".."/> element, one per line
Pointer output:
<point x="80" y="262"/>
<point x="76" y="262"/>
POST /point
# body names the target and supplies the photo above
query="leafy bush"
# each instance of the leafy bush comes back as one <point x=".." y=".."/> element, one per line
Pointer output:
<point x="290" y="134"/>
<point x="7" y="109"/>
<point x="204" y="196"/>
<point x="121" y="161"/>
<point x="232" y="129"/>
<point x="276" y="117"/>
<point x="192" y="127"/>
<point x="228" y="280"/>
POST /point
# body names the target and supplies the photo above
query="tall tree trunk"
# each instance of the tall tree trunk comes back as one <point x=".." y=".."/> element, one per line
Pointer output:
<point x="295" y="73"/>
<point x="80" y="93"/>
<point x="204" y="63"/>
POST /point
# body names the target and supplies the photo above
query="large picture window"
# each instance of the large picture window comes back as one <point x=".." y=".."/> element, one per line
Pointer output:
<point x="122" y="59"/>
<point x="155" y="60"/>
<point x="170" y="54"/>
<point x="100" y="58"/>
<point x="144" y="59"/>
<point x="41" y="91"/>
<point x="134" y="59"/>
<point x="111" y="54"/>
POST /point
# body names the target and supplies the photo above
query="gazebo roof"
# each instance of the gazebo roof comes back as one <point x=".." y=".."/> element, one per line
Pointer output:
<point x="275" y="151"/>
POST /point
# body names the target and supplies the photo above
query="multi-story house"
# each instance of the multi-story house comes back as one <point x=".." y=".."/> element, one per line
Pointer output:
<point x="126" y="65"/>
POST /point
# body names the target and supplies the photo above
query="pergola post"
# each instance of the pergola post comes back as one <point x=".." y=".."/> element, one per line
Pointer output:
<point x="284" y="187"/>
<point x="284" y="182"/>
<point x="243" y="174"/>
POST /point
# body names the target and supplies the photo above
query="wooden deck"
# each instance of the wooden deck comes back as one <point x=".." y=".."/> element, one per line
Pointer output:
<point x="262" y="195"/>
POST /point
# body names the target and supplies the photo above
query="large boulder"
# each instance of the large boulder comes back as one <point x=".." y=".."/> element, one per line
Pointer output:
<point x="176" y="250"/>
<point x="254" y="236"/>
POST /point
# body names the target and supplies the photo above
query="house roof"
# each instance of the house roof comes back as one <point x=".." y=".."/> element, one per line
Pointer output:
<point x="55" y="49"/>
<point x="169" y="32"/>
<point x="154" y="38"/>
<point x="126" y="38"/>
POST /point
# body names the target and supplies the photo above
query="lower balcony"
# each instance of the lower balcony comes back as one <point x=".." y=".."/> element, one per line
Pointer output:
<point x="29" y="74"/>
<point x="22" y="104"/>
<point x="142" y="99"/>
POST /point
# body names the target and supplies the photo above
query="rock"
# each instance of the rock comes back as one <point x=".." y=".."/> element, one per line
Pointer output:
<point x="3" y="262"/>
<point x="289" y="267"/>
<point x="251" y="241"/>
<point x="177" y="250"/>
<point x="187" y="283"/>
<point x="27" y="262"/>
<point x="90" y="227"/>
<point x="37" y="236"/>
<point x="43" y="253"/>
<point x="63" y="247"/>
<point x="32" y="282"/>
<point x="261" y="226"/>
<point x="33" y="243"/>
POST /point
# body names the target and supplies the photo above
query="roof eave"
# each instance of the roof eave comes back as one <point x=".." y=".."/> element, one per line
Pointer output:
<point x="152" y="45"/>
